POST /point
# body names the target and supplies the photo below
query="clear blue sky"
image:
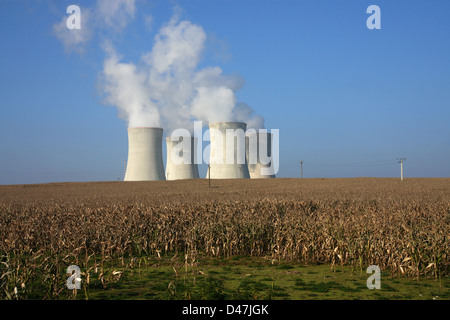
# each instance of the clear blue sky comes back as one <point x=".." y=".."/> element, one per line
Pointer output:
<point x="347" y="100"/>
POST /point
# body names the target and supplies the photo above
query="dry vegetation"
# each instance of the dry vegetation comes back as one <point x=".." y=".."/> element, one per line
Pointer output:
<point x="104" y="227"/>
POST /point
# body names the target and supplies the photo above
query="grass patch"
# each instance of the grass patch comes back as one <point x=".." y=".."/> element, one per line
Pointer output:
<point x="167" y="278"/>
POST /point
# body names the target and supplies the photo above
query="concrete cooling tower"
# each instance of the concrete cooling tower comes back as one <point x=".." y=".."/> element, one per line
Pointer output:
<point x="258" y="146"/>
<point x="180" y="164"/>
<point x="145" y="160"/>
<point x="227" y="151"/>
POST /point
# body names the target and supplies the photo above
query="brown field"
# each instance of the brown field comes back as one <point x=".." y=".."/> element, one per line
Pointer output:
<point x="403" y="227"/>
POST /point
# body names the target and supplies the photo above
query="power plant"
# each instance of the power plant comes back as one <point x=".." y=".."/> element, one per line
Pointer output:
<point x="234" y="154"/>
<point x="181" y="162"/>
<point x="145" y="160"/>
<point x="227" y="151"/>
<point x="258" y="147"/>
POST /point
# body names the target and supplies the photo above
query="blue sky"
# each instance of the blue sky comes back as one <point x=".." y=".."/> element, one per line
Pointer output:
<point x="347" y="100"/>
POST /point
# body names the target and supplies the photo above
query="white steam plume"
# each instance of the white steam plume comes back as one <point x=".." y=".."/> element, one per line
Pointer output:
<point x="110" y="15"/>
<point x="125" y="88"/>
<point x="74" y="40"/>
<point x="116" y="13"/>
<point x="167" y="82"/>
<point x="165" y="88"/>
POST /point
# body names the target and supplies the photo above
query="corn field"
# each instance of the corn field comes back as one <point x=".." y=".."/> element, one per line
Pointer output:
<point x="107" y="227"/>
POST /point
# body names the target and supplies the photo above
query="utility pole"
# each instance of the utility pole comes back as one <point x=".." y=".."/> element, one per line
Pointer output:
<point x="301" y="168"/>
<point x="209" y="175"/>
<point x="124" y="169"/>
<point x="401" y="166"/>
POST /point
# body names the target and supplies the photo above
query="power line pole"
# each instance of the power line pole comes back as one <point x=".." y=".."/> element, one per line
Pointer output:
<point x="401" y="166"/>
<point x="301" y="168"/>
<point x="209" y="175"/>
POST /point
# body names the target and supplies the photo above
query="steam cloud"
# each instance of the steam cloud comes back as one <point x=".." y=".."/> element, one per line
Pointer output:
<point x="106" y="14"/>
<point x="74" y="41"/>
<point x="166" y="88"/>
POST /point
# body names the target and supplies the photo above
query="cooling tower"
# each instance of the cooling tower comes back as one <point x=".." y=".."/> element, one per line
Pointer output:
<point x="227" y="151"/>
<point x="145" y="160"/>
<point x="180" y="159"/>
<point x="258" y="146"/>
